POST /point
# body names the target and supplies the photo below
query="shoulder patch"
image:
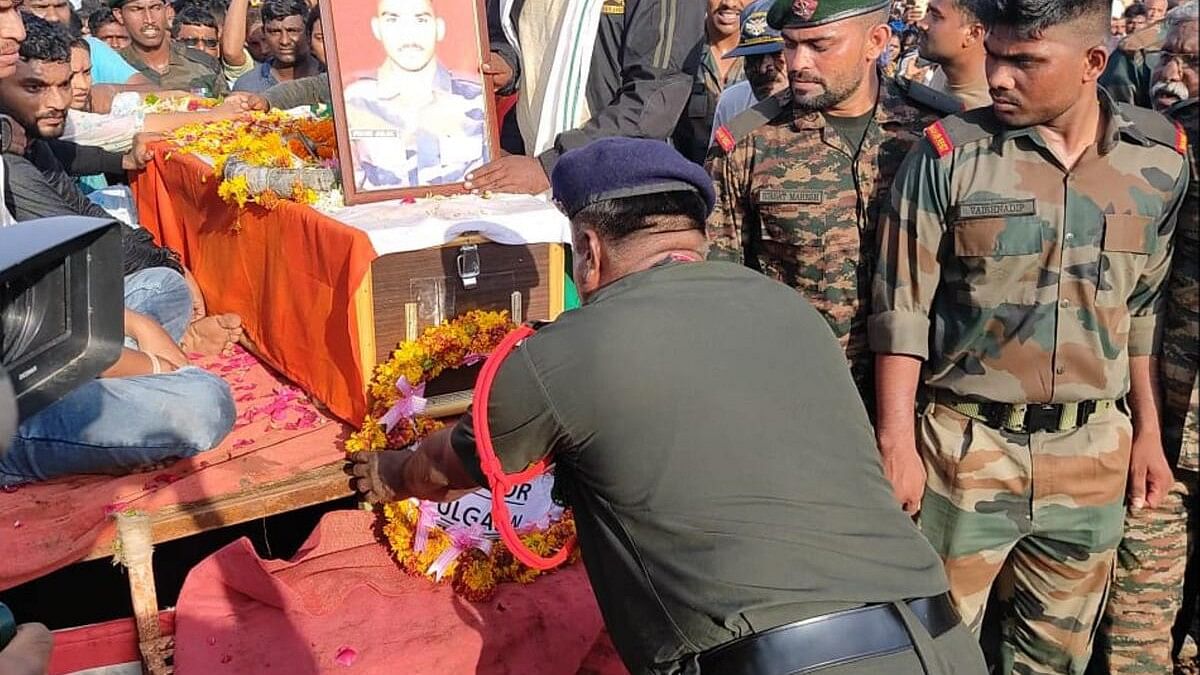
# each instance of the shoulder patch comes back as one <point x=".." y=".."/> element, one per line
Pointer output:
<point x="724" y="138"/>
<point x="929" y="97"/>
<point x="1152" y="126"/>
<point x="939" y="139"/>
<point x="748" y="120"/>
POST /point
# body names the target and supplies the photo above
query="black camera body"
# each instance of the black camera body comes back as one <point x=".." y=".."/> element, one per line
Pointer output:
<point x="61" y="309"/>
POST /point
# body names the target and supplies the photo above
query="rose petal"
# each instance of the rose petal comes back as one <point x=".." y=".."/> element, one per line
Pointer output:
<point x="345" y="656"/>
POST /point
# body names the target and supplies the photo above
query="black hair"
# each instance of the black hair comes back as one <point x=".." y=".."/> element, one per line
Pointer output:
<point x="313" y="17"/>
<point x="1032" y="17"/>
<point x="615" y="219"/>
<point x="81" y="43"/>
<point x="274" y="10"/>
<point x="193" y="15"/>
<point x="75" y="24"/>
<point x="100" y="18"/>
<point x="1135" y="10"/>
<point x="45" y="41"/>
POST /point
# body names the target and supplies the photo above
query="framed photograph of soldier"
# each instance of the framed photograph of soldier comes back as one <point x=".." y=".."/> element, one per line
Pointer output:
<point x="412" y="112"/>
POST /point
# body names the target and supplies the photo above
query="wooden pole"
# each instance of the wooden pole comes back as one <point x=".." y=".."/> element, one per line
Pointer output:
<point x="135" y="551"/>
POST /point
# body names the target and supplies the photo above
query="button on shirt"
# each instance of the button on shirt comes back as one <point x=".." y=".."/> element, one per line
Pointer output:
<point x="1019" y="280"/>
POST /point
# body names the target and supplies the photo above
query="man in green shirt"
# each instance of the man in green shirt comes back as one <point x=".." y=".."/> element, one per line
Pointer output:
<point x="709" y="438"/>
<point x="166" y="63"/>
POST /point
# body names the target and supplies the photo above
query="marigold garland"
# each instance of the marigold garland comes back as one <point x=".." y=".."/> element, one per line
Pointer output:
<point x="272" y="140"/>
<point x="474" y="574"/>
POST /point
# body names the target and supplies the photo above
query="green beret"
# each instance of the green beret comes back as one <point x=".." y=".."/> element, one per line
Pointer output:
<point x="811" y="13"/>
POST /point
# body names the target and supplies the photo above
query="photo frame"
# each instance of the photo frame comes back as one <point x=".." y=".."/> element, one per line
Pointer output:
<point x="412" y="112"/>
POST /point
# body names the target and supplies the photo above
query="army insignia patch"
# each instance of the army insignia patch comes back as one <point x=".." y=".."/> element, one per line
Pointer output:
<point x="804" y="8"/>
<point x="756" y="26"/>
<point x="939" y="139"/>
<point x="1181" y="139"/>
<point x="724" y="138"/>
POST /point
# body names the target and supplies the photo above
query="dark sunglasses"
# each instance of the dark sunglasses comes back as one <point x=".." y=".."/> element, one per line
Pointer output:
<point x="194" y="42"/>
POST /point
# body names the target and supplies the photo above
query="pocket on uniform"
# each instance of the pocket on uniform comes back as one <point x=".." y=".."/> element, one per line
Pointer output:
<point x="1001" y="260"/>
<point x="1128" y="241"/>
<point x="793" y="242"/>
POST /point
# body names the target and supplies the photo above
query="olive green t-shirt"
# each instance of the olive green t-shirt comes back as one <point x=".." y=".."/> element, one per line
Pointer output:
<point x="852" y="129"/>
<point x="717" y="456"/>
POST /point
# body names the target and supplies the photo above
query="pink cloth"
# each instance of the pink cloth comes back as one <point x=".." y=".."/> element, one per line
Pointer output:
<point x="343" y="606"/>
<point x="278" y="434"/>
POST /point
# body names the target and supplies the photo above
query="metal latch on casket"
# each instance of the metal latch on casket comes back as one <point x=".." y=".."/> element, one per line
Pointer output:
<point x="468" y="265"/>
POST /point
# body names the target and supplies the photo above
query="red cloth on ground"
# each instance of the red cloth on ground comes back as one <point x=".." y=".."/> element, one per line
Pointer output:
<point x="343" y="606"/>
<point x="278" y="434"/>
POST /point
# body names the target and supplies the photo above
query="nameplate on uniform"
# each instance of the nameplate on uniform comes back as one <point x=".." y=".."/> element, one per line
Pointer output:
<point x="1021" y="207"/>
<point x="790" y="196"/>
<point x="613" y="7"/>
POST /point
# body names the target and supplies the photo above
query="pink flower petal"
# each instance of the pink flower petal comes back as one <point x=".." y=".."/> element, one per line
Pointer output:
<point x="243" y="443"/>
<point x="345" y="656"/>
<point x="112" y="508"/>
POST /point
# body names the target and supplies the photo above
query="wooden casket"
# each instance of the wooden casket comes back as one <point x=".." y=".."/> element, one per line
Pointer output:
<point x="407" y="292"/>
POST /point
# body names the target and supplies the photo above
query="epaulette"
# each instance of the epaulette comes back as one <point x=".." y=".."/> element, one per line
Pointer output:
<point x="729" y="134"/>
<point x="201" y="58"/>
<point x="929" y="97"/>
<point x="960" y="129"/>
<point x="1147" y="38"/>
<point x="1154" y="126"/>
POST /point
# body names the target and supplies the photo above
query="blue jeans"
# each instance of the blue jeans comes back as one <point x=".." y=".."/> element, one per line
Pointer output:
<point x="117" y="425"/>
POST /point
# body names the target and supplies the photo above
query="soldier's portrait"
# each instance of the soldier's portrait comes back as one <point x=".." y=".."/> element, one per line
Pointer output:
<point x="413" y="113"/>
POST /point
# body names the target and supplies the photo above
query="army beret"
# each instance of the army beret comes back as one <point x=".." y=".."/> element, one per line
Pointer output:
<point x="811" y="13"/>
<point x="613" y="168"/>
<point x="757" y="35"/>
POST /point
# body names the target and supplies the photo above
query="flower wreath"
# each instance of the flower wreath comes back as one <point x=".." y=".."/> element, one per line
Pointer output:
<point x="472" y="563"/>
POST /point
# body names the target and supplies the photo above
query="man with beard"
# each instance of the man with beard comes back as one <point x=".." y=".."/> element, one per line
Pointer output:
<point x="1131" y="66"/>
<point x="801" y="180"/>
<point x="166" y="63"/>
<point x="1136" y="635"/>
<point x="761" y="47"/>
<point x="718" y="71"/>
<point x="952" y="37"/>
<point x="285" y="33"/>
<point x="413" y="122"/>
<point x="1020" y="288"/>
<point x="151" y="405"/>
<point x="790" y="558"/>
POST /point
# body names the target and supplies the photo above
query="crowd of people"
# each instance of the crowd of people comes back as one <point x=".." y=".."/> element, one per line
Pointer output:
<point x="991" y="204"/>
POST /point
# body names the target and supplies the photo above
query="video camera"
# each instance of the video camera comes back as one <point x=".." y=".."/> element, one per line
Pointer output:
<point x="61" y="318"/>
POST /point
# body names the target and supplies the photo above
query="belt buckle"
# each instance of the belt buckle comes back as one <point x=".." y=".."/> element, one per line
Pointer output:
<point x="1042" y="417"/>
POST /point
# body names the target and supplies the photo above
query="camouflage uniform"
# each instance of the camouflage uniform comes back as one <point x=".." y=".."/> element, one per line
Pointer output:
<point x="794" y="202"/>
<point x="695" y="125"/>
<point x="187" y="70"/>
<point x="395" y="146"/>
<point x="1021" y="283"/>
<point x="1135" y="636"/>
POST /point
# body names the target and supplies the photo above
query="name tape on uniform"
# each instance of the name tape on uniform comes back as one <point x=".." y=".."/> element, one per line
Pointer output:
<point x="1021" y="207"/>
<point x="791" y="196"/>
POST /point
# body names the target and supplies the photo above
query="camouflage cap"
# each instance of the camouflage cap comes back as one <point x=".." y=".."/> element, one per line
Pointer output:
<point x="757" y="35"/>
<point x="810" y="13"/>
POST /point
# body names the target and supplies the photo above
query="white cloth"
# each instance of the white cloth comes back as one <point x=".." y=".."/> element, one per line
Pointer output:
<point x="735" y="100"/>
<point x="6" y="218"/>
<point x="560" y="103"/>
<point x="394" y="226"/>
<point x="113" y="133"/>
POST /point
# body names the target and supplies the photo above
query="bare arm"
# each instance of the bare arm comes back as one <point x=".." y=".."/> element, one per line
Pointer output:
<point x="897" y="377"/>
<point x="1150" y="475"/>
<point x="233" y="33"/>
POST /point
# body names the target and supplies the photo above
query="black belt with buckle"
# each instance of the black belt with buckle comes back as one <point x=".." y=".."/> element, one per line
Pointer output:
<point x="828" y="640"/>
<point x="1026" y="418"/>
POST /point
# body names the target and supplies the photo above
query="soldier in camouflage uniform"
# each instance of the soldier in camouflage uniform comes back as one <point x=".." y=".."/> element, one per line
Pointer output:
<point x="801" y="176"/>
<point x="182" y="69"/>
<point x="1135" y="636"/>
<point x="1021" y="278"/>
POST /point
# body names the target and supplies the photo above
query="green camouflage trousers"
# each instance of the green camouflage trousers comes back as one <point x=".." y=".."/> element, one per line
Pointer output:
<point x="1039" y="515"/>
<point x="1135" y="635"/>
